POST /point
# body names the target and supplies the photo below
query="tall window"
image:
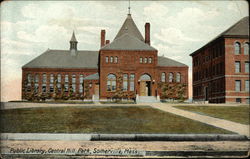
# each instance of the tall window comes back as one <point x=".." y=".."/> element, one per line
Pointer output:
<point x="246" y="67"/>
<point x="59" y="78"/>
<point x="81" y="84"/>
<point x="44" y="83"/>
<point x="36" y="87"/>
<point x="73" y="83"/>
<point x="247" y="85"/>
<point x="163" y="77"/>
<point x="111" y="82"/>
<point x="246" y="48"/>
<point x="51" y="85"/>
<point x="29" y="78"/>
<point x="237" y="48"/>
<point x="237" y="85"/>
<point x="66" y="78"/>
<point x="237" y="66"/>
<point x="125" y="82"/>
<point x="171" y="77"/>
<point x="178" y="77"/>
<point x="107" y="59"/>
<point x="116" y="59"/>
<point x="36" y="78"/>
<point x="145" y="60"/>
<point x="150" y="60"/>
<point x="141" y="59"/>
<point x="132" y="82"/>
<point x="111" y="59"/>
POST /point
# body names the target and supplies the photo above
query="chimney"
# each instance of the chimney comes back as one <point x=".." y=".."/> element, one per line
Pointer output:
<point x="102" y="38"/>
<point x="147" y="33"/>
<point x="107" y="42"/>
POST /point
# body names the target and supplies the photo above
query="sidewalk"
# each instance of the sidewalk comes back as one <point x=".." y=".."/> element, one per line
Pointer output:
<point x="224" y="124"/>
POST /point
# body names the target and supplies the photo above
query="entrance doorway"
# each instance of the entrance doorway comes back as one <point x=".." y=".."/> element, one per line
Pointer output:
<point x="145" y="85"/>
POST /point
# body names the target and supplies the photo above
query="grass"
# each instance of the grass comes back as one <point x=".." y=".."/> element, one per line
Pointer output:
<point x="106" y="119"/>
<point x="56" y="101"/>
<point x="239" y="114"/>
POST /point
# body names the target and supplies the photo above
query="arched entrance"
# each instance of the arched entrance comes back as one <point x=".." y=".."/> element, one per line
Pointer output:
<point x="145" y="85"/>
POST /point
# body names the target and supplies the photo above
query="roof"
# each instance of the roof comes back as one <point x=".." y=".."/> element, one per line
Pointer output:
<point x="63" y="59"/>
<point x="130" y="28"/>
<point x="128" y="42"/>
<point x="164" y="61"/>
<point x="239" y="29"/>
<point x="92" y="77"/>
<point x="73" y="38"/>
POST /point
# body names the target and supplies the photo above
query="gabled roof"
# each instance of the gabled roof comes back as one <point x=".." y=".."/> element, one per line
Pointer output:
<point x="239" y="29"/>
<point x="63" y="59"/>
<point x="128" y="42"/>
<point x="130" y="28"/>
<point x="164" y="61"/>
<point x="92" y="77"/>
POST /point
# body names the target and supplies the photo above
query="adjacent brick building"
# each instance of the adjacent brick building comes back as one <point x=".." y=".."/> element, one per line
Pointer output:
<point x="221" y="67"/>
<point x="129" y="57"/>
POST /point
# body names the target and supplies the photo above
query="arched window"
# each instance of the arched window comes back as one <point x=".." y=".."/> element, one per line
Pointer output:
<point x="73" y="78"/>
<point x="107" y="59"/>
<point x="44" y="78"/>
<point x="116" y="59"/>
<point x="59" y="78"/>
<point x="51" y="85"/>
<point x="163" y="77"/>
<point x="246" y="48"/>
<point x="145" y="60"/>
<point x="111" y="59"/>
<point x="141" y="59"/>
<point x="178" y="77"/>
<point x="237" y="48"/>
<point x="125" y="82"/>
<point x="170" y="77"/>
<point x="51" y="78"/>
<point x="29" y="78"/>
<point x="66" y="78"/>
<point x="111" y="82"/>
<point x="36" y="78"/>
<point x="150" y="60"/>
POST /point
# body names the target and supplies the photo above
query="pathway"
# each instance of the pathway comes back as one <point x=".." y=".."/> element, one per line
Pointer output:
<point x="221" y="123"/>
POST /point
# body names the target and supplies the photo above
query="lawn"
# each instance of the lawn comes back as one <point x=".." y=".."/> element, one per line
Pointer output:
<point x="238" y="114"/>
<point x="125" y="119"/>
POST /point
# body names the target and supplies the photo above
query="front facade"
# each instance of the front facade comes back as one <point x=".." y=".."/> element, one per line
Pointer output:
<point x="221" y="67"/>
<point x="128" y="68"/>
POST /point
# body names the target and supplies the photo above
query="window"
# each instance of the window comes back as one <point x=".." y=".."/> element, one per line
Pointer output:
<point x="107" y="59"/>
<point x="74" y="87"/>
<point x="66" y="87"/>
<point x="247" y="85"/>
<point x="51" y="88"/>
<point x="178" y="77"/>
<point x="111" y="59"/>
<point x="29" y="77"/>
<point x="237" y="66"/>
<point x="73" y="78"/>
<point x="171" y="76"/>
<point x="44" y="87"/>
<point x="36" y="78"/>
<point x="132" y="82"/>
<point x="150" y="60"/>
<point x="66" y="78"/>
<point x="80" y="88"/>
<point x="81" y="79"/>
<point x="246" y="48"/>
<point x="246" y="67"/>
<point x="125" y="82"/>
<point x="36" y="87"/>
<point x="44" y="78"/>
<point x="59" y="87"/>
<point x="116" y="59"/>
<point x="238" y="100"/>
<point x="141" y="59"/>
<point x="145" y="60"/>
<point x="51" y="78"/>
<point x="111" y="82"/>
<point x="163" y="77"/>
<point x="59" y="78"/>
<point x="237" y="48"/>
<point x="237" y="85"/>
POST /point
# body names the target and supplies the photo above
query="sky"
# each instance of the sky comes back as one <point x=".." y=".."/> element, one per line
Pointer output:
<point x="178" y="28"/>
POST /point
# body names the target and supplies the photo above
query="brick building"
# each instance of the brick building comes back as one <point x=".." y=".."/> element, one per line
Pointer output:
<point x="221" y="67"/>
<point x="128" y="57"/>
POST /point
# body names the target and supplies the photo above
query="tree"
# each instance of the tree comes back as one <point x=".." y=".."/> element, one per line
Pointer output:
<point x="119" y="93"/>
